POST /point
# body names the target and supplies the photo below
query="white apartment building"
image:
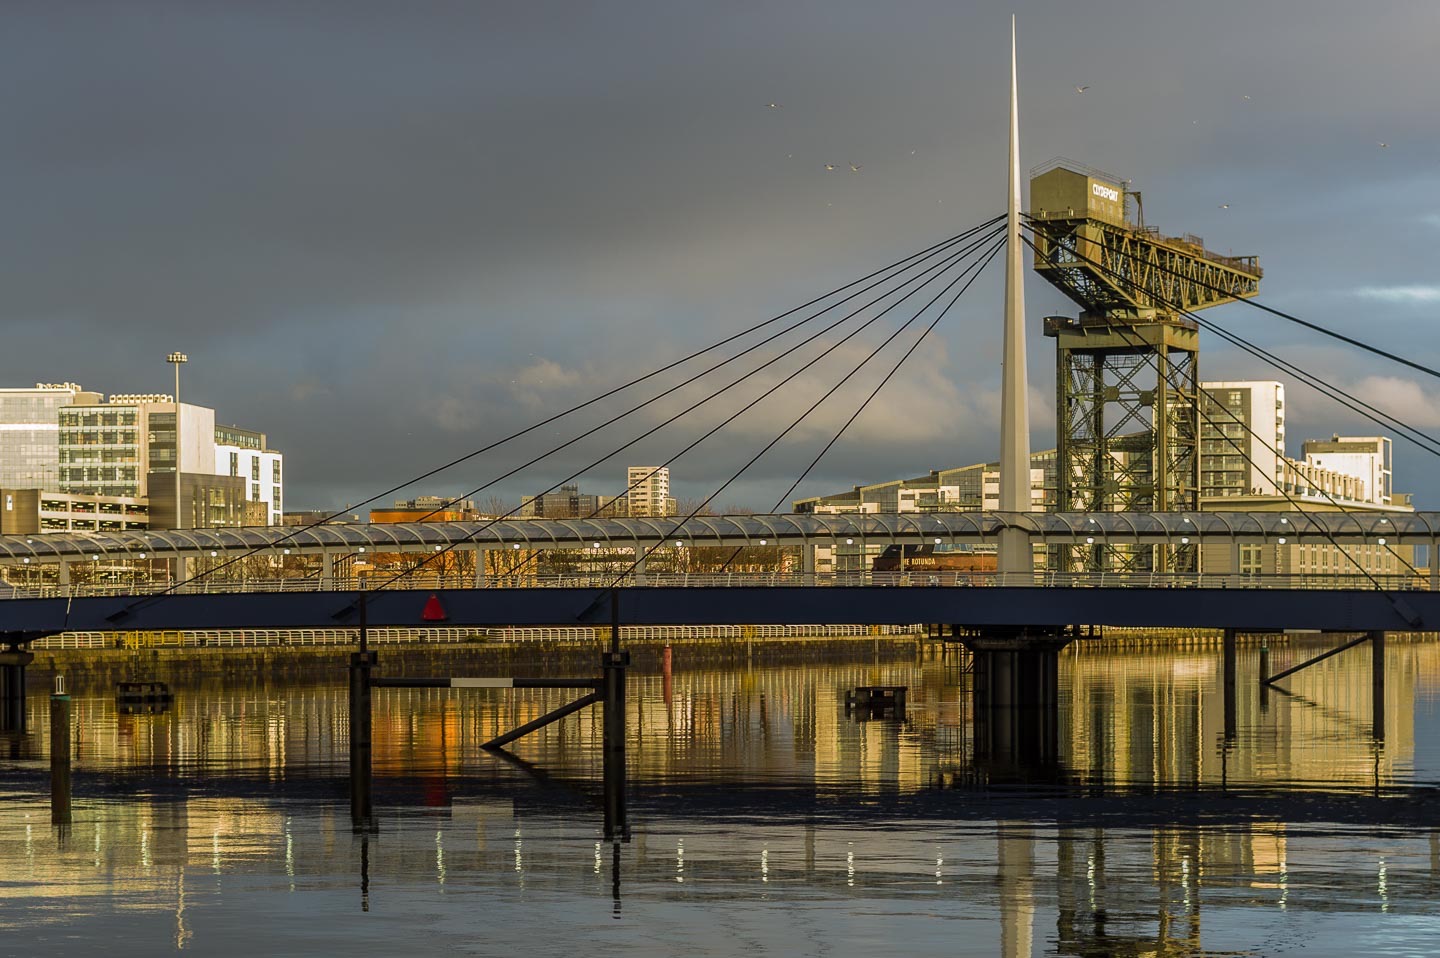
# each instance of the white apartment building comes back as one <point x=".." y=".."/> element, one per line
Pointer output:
<point x="244" y="453"/>
<point x="649" y="493"/>
<point x="1242" y="438"/>
<point x="1367" y="458"/>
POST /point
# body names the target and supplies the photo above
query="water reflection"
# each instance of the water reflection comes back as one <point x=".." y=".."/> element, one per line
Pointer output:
<point x="847" y="836"/>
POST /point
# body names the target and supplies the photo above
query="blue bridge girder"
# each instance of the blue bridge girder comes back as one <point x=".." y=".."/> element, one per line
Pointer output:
<point x="998" y="606"/>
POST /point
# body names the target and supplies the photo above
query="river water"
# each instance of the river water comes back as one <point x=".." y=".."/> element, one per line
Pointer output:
<point x="765" y="820"/>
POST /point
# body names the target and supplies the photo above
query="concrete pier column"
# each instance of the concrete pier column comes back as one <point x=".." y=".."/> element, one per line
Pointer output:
<point x="640" y="572"/>
<point x="12" y="689"/>
<point x="1377" y="684"/>
<point x="1228" y="683"/>
<point x="481" y="574"/>
<point x="63" y="575"/>
<point x="1435" y="565"/>
<point x="1016" y="694"/>
<point x="807" y="563"/>
<point x="327" y="570"/>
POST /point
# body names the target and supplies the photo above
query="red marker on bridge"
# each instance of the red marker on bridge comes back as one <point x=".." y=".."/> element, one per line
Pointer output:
<point x="434" y="611"/>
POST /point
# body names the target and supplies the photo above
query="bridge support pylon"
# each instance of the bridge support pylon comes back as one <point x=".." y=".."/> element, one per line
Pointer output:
<point x="1016" y="695"/>
<point x="12" y="688"/>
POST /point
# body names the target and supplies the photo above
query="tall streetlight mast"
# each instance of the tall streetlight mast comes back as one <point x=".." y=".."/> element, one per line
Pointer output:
<point x="176" y="359"/>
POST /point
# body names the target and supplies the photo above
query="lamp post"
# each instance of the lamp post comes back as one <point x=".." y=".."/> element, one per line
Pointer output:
<point x="175" y="359"/>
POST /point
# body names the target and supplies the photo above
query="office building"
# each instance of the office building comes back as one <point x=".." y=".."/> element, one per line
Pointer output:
<point x="29" y="511"/>
<point x="568" y="502"/>
<point x="30" y="434"/>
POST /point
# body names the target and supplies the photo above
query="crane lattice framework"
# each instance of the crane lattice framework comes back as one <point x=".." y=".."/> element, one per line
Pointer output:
<point x="1127" y="369"/>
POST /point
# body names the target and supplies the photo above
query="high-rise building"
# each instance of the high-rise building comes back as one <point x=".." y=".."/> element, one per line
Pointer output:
<point x="30" y="434"/>
<point x="649" y="491"/>
<point x="1242" y="438"/>
<point x="244" y="453"/>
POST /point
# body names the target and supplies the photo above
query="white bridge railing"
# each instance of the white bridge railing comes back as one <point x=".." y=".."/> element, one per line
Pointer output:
<point x="859" y="579"/>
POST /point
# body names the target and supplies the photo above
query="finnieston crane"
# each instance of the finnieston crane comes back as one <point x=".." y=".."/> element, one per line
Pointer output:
<point x="1127" y="368"/>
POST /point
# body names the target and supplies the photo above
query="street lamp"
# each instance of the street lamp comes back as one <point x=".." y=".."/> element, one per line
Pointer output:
<point x="175" y="359"/>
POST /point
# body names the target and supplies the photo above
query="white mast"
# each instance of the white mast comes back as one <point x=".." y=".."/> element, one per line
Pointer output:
<point x="1014" y="547"/>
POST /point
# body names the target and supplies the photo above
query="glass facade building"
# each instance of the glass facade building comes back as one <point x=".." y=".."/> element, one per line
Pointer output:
<point x="30" y="435"/>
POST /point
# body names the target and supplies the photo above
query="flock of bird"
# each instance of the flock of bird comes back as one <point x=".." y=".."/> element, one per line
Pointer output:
<point x="1079" y="89"/>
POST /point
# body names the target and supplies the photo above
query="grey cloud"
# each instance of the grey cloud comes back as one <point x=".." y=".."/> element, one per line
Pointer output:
<point x="364" y="220"/>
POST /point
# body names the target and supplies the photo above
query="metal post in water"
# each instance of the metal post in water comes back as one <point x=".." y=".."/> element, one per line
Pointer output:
<point x="613" y="664"/>
<point x="1264" y="674"/>
<point x="1377" y="683"/>
<point x="667" y="677"/>
<point x="362" y="816"/>
<point x="1229" y="683"/>
<point x="59" y="754"/>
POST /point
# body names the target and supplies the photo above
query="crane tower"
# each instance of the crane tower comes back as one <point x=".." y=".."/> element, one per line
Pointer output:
<point x="1127" y="368"/>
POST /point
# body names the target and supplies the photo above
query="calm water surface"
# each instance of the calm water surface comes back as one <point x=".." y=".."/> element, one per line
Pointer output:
<point x="765" y="821"/>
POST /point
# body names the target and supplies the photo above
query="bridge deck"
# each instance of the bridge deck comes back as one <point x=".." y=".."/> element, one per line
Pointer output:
<point x="1001" y="606"/>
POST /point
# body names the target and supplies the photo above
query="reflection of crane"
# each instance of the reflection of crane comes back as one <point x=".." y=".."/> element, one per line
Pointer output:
<point x="1127" y="408"/>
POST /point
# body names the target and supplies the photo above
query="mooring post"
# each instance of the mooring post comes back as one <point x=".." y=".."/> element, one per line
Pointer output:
<point x="1229" y="681"/>
<point x="361" y="810"/>
<point x="1377" y="683"/>
<point x="59" y="754"/>
<point x="613" y="664"/>
<point x="667" y="676"/>
<point x="1264" y="674"/>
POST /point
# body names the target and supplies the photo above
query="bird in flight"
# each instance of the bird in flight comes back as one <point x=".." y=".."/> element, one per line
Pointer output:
<point x="1384" y="145"/>
<point x="854" y="167"/>
<point x="774" y="106"/>
<point x="1082" y="89"/>
<point x="1224" y="206"/>
<point x="829" y="167"/>
<point x="1247" y="96"/>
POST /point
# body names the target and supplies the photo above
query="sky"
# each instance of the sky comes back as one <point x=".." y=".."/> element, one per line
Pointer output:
<point x="389" y="234"/>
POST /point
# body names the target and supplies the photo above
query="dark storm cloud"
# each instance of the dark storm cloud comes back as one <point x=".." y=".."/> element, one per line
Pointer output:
<point x="387" y="233"/>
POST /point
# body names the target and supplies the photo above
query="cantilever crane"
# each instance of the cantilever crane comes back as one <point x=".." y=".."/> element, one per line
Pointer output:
<point x="1127" y="371"/>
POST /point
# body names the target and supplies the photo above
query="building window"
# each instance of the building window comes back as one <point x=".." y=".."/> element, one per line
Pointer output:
<point x="254" y="492"/>
<point x="275" y="471"/>
<point x="255" y="468"/>
<point x="234" y="463"/>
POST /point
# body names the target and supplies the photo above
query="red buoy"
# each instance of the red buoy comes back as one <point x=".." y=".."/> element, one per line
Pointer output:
<point x="434" y="611"/>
